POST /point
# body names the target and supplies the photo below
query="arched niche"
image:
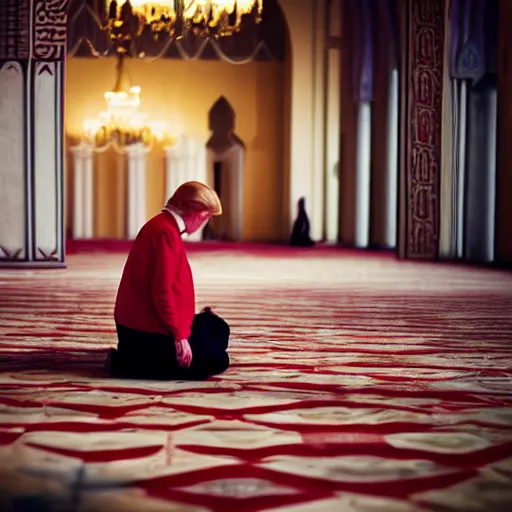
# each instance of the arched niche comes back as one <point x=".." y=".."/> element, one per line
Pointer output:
<point x="225" y="167"/>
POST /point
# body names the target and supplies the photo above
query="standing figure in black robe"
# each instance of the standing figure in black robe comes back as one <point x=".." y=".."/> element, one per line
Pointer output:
<point x="300" y="233"/>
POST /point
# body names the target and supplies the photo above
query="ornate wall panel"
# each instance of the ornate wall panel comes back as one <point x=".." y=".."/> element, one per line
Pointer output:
<point x="46" y="163"/>
<point x="31" y="131"/>
<point x="13" y="218"/>
<point x="423" y="115"/>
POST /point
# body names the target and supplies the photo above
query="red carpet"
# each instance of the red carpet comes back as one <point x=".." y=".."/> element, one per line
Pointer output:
<point x="357" y="384"/>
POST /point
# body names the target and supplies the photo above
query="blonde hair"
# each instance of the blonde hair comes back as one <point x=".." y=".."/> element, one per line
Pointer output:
<point x="195" y="196"/>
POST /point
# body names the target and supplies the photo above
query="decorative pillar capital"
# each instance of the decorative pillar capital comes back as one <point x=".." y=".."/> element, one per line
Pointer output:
<point x="136" y="154"/>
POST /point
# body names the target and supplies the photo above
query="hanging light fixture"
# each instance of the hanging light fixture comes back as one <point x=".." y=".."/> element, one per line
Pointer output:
<point x="123" y="124"/>
<point x="204" y="18"/>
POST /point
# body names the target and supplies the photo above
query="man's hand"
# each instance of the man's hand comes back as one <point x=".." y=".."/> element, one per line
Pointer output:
<point x="183" y="353"/>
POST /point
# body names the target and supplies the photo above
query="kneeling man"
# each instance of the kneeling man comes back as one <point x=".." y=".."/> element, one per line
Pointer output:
<point x="159" y="335"/>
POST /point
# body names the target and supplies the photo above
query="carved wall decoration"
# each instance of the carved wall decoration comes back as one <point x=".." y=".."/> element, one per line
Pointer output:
<point x="43" y="68"/>
<point x="13" y="197"/>
<point x="6" y="254"/>
<point x="14" y="29"/>
<point x="46" y="164"/>
<point x="31" y="167"/>
<point x="47" y="256"/>
<point x="50" y="29"/>
<point x="423" y="147"/>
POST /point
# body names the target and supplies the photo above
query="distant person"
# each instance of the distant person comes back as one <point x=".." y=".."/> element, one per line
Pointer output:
<point x="300" y="232"/>
<point x="159" y="335"/>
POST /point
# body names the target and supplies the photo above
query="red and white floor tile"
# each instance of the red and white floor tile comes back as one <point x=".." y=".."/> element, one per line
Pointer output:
<point x="358" y="383"/>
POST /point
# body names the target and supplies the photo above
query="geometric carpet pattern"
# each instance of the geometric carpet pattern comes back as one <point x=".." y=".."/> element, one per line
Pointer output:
<point x="358" y="383"/>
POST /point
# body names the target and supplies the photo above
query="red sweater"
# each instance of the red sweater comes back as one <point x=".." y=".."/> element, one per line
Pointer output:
<point x="156" y="293"/>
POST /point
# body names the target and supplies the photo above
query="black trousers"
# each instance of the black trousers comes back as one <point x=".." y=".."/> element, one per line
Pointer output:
<point x="143" y="355"/>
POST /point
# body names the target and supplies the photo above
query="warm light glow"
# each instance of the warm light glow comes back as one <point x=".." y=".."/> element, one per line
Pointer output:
<point x="244" y="6"/>
<point x="203" y="17"/>
<point x="122" y="124"/>
<point x="152" y="11"/>
<point x="159" y="129"/>
<point x="123" y="105"/>
<point x="91" y="127"/>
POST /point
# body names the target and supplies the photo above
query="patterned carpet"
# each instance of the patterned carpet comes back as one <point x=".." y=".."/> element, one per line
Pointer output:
<point x="358" y="383"/>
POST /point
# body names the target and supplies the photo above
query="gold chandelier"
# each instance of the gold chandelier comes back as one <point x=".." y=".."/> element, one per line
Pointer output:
<point x="204" y="18"/>
<point x="123" y="124"/>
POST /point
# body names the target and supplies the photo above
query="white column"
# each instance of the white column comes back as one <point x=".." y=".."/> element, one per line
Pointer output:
<point x="363" y="153"/>
<point x="240" y="194"/>
<point x="180" y="162"/>
<point x="171" y="175"/>
<point x="185" y="161"/>
<point x="332" y="157"/>
<point x="169" y="184"/>
<point x="392" y="160"/>
<point x="447" y="230"/>
<point x="491" y="173"/>
<point x="318" y="135"/>
<point x="136" y="154"/>
<point x="14" y="207"/>
<point x="196" y="170"/>
<point x="45" y="121"/>
<point x="82" y="191"/>
<point x="175" y="166"/>
<point x="190" y="160"/>
<point x="200" y="163"/>
<point x="461" y="178"/>
<point x="480" y="183"/>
